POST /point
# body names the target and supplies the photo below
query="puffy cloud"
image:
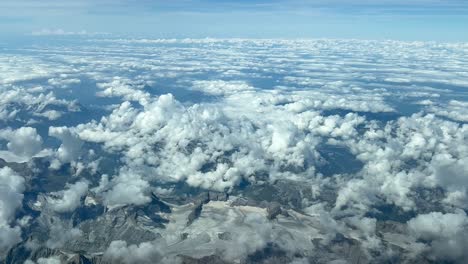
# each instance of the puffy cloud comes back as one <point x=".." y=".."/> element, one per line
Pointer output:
<point x="436" y="224"/>
<point x="23" y="142"/>
<point x="68" y="200"/>
<point x="12" y="192"/>
<point x="22" y="92"/>
<point x="447" y="234"/>
<point x="51" y="114"/>
<point x="220" y="87"/>
<point x="246" y="241"/>
<point x="11" y="198"/>
<point x="63" y="81"/>
<point x="71" y="145"/>
<point x="121" y="87"/>
<point x="164" y="133"/>
<point x="127" y="188"/>
<point x="147" y="252"/>
<point x="50" y="260"/>
<point x="60" y="234"/>
<point x="16" y="102"/>
<point x="22" y="68"/>
<point x="454" y="109"/>
<point x="218" y="150"/>
<point x="282" y="110"/>
<point x="414" y="152"/>
<point x="10" y="236"/>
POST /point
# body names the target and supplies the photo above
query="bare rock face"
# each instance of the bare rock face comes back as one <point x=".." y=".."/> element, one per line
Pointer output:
<point x="204" y="260"/>
<point x="202" y="199"/>
<point x="97" y="229"/>
<point x="273" y="209"/>
<point x="195" y="213"/>
<point x="120" y="224"/>
<point x="218" y="196"/>
<point x="133" y="224"/>
<point x="23" y="252"/>
<point x="289" y="194"/>
<point x="97" y="226"/>
<point x="79" y="259"/>
<point x="340" y="247"/>
<point x="225" y="236"/>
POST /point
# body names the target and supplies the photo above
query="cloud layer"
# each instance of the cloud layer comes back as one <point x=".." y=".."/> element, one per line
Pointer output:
<point x="323" y="145"/>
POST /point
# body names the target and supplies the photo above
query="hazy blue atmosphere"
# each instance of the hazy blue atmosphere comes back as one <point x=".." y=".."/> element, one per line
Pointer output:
<point x="362" y="19"/>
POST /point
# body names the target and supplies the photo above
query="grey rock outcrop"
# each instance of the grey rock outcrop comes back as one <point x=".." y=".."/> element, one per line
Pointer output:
<point x="202" y="199"/>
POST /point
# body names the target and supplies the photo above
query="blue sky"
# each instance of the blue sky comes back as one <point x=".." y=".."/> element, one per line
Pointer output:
<point x="440" y="20"/>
